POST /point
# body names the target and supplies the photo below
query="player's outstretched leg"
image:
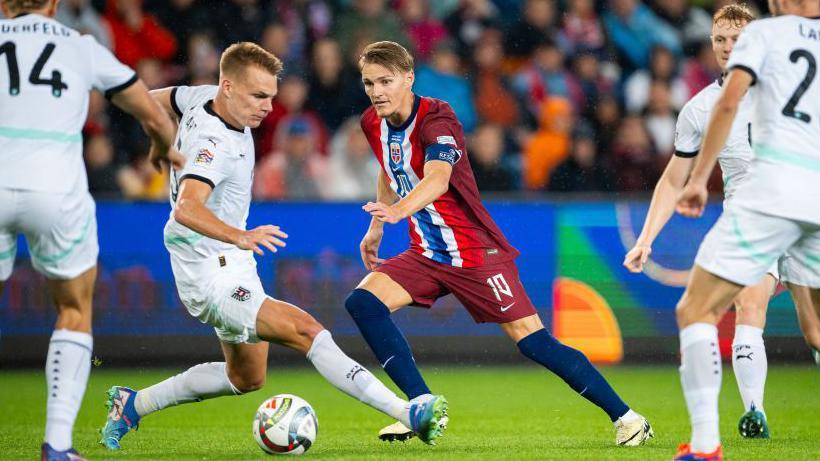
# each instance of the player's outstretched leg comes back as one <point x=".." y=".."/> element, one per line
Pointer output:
<point x="68" y="363"/>
<point x="749" y="356"/>
<point x="537" y="344"/>
<point x="287" y="324"/>
<point x="126" y="406"/>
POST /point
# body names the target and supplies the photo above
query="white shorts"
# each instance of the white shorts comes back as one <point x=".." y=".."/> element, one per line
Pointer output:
<point x="744" y="245"/>
<point x="225" y="293"/>
<point x="60" y="230"/>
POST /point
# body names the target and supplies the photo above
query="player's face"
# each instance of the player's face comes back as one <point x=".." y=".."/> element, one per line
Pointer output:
<point x="250" y="96"/>
<point x="724" y="38"/>
<point x="387" y="89"/>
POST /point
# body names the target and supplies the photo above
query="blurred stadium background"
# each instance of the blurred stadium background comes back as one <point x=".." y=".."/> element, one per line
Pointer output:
<point x="569" y="107"/>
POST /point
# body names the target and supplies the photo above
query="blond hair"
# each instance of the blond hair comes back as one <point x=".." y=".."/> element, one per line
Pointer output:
<point x="240" y="55"/>
<point x="387" y="54"/>
<point x="736" y="14"/>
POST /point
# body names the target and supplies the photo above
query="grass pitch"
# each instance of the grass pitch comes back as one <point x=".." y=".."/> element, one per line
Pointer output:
<point x="496" y="413"/>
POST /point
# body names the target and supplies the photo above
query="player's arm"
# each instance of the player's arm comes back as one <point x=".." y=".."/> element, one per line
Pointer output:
<point x="156" y="123"/>
<point x="435" y="183"/>
<point x="693" y="199"/>
<point x="661" y="208"/>
<point x="191" y="212"/>
<point x="369" y="246"/>
<point x="163" y="97"/>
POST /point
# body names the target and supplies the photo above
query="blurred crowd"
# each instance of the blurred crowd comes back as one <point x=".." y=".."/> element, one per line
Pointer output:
<point x="554" y="95"/>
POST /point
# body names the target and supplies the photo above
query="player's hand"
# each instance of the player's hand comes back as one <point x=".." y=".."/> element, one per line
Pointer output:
<point x="383" y="212"/>
<point x="267" y="236"/>
<point x="172" y="157"/>
<point x="692" y="200"/>
<point x="369" y="248"/>
<point x="637" y="257"/>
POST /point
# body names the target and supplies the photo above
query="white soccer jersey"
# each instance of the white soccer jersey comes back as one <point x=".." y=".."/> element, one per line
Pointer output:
<point x="736" y="155"/>
<point x="46" y="72"/>
<point x="218" y="154"/>
<point x="782" y="54"/>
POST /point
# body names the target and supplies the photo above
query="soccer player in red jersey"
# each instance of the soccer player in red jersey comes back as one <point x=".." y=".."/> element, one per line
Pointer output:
<point x="455" y="247"/>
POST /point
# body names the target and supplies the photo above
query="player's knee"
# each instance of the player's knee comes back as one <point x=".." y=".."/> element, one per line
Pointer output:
<point x="361" y="304"/>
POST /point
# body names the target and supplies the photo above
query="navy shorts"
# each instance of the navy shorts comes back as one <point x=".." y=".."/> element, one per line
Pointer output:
<point x="491" y="293"/>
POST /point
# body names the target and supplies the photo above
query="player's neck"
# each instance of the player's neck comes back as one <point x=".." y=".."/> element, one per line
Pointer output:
<point x="404" y="112"/>
<point x="220" y="108"/>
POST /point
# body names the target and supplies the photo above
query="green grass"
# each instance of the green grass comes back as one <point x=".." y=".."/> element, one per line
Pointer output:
<point x="496" y="413"/>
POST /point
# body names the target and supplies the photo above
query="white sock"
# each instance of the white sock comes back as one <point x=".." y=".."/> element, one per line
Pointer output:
<point x="628" y="417"/>
<point x="67" y="367"/>
<point x="750" y="365"/>
<point x="700" y="376"/>
<point x="353" y="379"/>
<point x="201" y="382"/>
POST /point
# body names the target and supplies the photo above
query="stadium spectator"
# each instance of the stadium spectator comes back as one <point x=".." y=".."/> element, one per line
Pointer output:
<point x="141" y="181"/>
<point x="486" y="151"/>
<point x="81" y="15"/>
<point x="589" y="83"/>
<point x="202" y="67"/>
<point x="468" y="22"/>
<point x="606" y="121"/>
<point x="662" y="67"/>
<point x="537" y="24"/>
<point x="442" y="79"/>
<point x="544" y="76"/>
<point x="100" y="168"/>
<point x="289" y="102"/>
<point x="352" y="167"/>
<point x="701" y="70"/>
<point x="583" y="171"/>
<point x="634" y="157"/>
<point x="334" y="91"/>
<point x="692" y="24"/>
<point x="582" y="28"/>
<point x="184" y="18"/>
<point x="137" y="35"/>
<point x="367" y="18"/>
<point x="277" y="39"/>
<point x="424" y="30"/>
<point x="635" y="29"/>
<point x="660" y="118"/>
<point x="306" y="20"/>
<point x="494" y="99"/>
<point x="298" y="171"/>
<point x="549" y="146"/>
<point x="240" y="20"/>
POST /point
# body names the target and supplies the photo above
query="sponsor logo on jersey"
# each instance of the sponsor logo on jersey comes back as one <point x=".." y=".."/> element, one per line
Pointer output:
<point x="241" y="294"/>
<point x="204" y="157"/>
<point x="446" y="140"/>
<point x="395" y="152"/>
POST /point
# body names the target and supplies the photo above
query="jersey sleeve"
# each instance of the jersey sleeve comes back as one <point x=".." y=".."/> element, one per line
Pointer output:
<point x="207" y="162"/>
<point x="186" y="97"/>
<point x="688" y="133"/>
<point x="109" y="75"/>
<point x="441" y="137"/>
<point x="749" y="53"/>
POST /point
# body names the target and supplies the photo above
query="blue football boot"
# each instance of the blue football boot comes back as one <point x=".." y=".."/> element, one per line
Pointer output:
<point x="753" y="425"/>
<point x="50" y="454"/>
<point x="429" y="418"/>
<point x="122" y="417"/>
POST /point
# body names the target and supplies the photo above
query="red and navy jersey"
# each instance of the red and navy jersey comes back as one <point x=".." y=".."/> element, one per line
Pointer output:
<point x="455" y="229"/>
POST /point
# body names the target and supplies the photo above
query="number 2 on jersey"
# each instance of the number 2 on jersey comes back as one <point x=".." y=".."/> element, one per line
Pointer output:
<point x="56" y="80"/>
<point x="789" y="108"/>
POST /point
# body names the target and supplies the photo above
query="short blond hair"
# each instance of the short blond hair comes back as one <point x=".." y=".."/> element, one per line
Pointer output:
<point x="240" y="55"/>
<point x="736" y="14"/>
<point x="387" y="54"/>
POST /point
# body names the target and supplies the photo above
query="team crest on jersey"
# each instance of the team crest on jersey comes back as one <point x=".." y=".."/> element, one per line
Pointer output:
<point x="204" y="157"/>
<point x="241" y="294"/>
<point x="395" y="152"/>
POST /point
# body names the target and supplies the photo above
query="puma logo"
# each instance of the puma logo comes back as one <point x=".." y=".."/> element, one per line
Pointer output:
<point x="741" y="356"/>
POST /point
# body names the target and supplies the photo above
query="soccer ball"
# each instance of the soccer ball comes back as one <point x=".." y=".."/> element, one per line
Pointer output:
<point x="285" y="424"/>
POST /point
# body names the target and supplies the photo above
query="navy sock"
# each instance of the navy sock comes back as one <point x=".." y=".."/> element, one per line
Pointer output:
<point x="575" y="369"/>
<point x="387" y="342"/>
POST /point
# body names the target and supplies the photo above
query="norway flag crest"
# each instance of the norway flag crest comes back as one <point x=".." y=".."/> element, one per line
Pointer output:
<point x="395" y="152"/>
